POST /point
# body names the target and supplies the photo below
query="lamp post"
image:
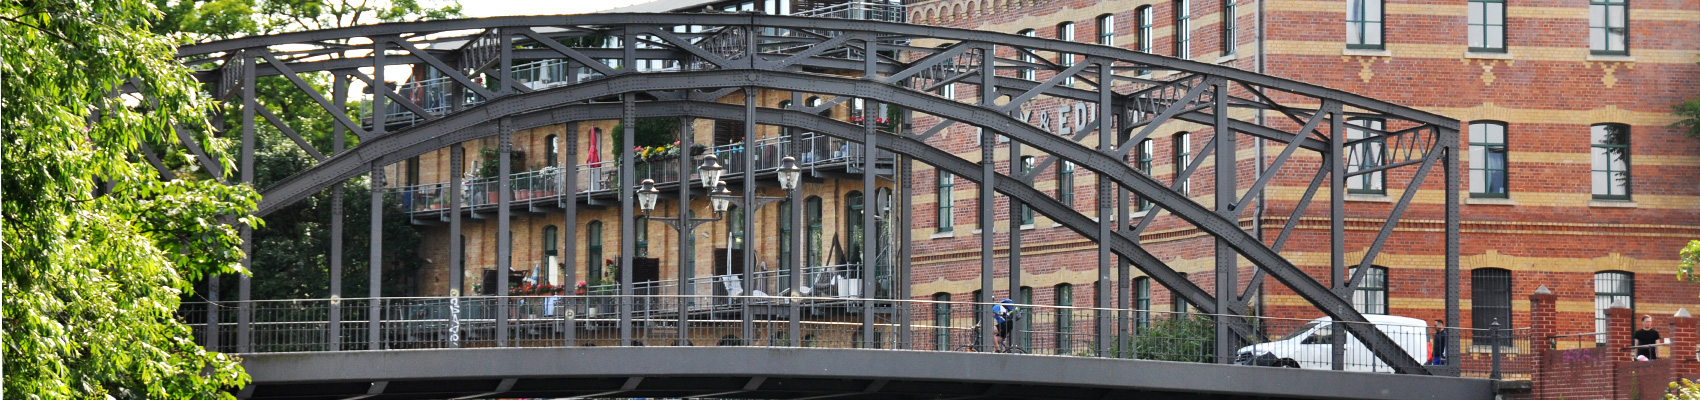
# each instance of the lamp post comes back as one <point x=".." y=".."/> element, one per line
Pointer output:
<point x="722" y="199"/>
<point x="686" y="227"/>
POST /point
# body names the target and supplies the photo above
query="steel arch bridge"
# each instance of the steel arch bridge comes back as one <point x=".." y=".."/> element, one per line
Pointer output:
<point x="694" y="65"/>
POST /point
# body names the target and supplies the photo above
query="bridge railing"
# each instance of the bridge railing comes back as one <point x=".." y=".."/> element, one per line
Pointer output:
<point x="709" y="320"/>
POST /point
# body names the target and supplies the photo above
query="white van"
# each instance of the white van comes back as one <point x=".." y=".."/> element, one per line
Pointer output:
<point x="1311" y="346"/>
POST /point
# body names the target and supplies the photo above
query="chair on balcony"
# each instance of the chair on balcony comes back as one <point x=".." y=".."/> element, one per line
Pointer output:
<point x="733" y="284"/>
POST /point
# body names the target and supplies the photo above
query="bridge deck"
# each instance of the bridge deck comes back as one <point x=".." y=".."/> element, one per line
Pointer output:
<point x="803" y="373"/>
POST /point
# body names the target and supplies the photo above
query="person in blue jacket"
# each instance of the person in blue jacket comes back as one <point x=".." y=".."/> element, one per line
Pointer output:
<point x="1003" y="312"/>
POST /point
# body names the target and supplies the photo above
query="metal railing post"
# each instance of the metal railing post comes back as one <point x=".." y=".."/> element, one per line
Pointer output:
<point x="1493" y="332"/>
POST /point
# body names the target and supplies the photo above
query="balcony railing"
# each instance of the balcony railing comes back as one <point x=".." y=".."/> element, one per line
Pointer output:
<point x="887" y="12"/>
<point x="549" y="182"/>
<point x="829" y="281"/>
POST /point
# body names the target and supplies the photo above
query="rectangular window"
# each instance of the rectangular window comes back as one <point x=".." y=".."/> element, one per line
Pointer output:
<point x="1142" y="302"/>
<point x="941" y="321"/>
<point x="1065" y="32"/>
<point x="1143" y="17"/>
<point x="1065" y="184"/>
<point x="1611" y="288"/>
<point x="641" y="232"/>
<point x="1229" y="27"/>
<point x="1107" y="30"/>
<point x="1183" y="29"/>
<point x="1366" y="155"/>
<point x="1487" y="26"/>
<point x="1490" y="300"/>
<point x="1026" y="211"/>
<point x="1608" y="27"/>
<point x="1363" y="24"/>
<point x="1027" y="72"/>
<point x="1176" y="302"/>
<point x="1064" y="298"/>
<point x="1143" y="163"/>
<point x="1183" y="157"/>
<point x="1487" y="160"/>
<point x="946" y="201"/>
<point x="1371" y="296"/>
<point x="1610" y="154"/>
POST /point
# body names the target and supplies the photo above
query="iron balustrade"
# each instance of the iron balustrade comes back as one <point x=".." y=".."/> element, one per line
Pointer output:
<point x="888" y="12"/>
<point x="826" y="321"/>
<point x="548" y="183"/>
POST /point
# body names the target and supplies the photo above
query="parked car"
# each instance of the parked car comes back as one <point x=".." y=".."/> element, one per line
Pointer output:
<point x="1311" y="346"/>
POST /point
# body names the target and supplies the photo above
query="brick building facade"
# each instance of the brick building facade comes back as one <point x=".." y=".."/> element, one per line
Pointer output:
<point x="1539" y="102"/>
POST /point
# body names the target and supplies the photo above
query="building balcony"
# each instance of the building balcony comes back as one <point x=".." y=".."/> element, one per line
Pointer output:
<point x="597" y="183"/>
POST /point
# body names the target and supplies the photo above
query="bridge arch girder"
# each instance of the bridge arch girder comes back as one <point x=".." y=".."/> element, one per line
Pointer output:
<point x="965" y="57"/>
<point x="482" y="121"/>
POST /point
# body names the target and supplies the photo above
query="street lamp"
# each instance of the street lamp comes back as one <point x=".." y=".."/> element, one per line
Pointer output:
<point x="711" y="170"/>
<point x="720" y="197"/>
<point x="789" y="173"/>
<point x="647" y="194"/>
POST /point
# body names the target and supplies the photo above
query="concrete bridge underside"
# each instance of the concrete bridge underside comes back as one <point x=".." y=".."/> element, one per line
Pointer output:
<point x="803" y="373"/>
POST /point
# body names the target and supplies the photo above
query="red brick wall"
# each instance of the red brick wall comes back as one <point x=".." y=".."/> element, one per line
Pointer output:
<point x="1574" y="374"/>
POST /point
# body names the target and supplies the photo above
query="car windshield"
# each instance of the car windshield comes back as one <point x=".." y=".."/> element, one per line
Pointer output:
<point x="1303" y="329"/>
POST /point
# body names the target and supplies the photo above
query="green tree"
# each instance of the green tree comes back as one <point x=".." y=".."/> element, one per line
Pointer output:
<point x="1685" y="270"/>
<point x="96" y="247"/>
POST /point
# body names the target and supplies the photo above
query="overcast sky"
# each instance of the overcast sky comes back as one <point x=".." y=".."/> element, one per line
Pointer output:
<point x="493" y="8"/>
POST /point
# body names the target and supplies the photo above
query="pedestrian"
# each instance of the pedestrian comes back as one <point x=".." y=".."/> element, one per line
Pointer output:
<point x="1439" y="344"/>
<point x="1646" y="336"/>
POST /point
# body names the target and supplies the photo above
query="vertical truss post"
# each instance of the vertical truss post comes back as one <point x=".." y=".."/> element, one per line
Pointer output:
<point x="988" y="227"/>
<point x="1106" y="214"/>
<point x="1336" y="223"/>
<point x="870" y="201"/>
<point x="901" y="283"/>
<point x="457" y="268"/>
<point x="1124" y="283"/>
<point x="687" y="230"/>
<point x="244" y="311"/>
<point x="1014" y="257"/>
<point x="375" y="266"/>
<point x="504" y="238"/>
<point x="506" y="66"/>
<point x="747" y="249"/>
<point x="1450" y="161"/>
<point x="379" y="101"/>
<point x="628" y="236"/>
<point x="1227" y="260"/>
<point x="795" y="202"/>
<point x="569" y="196"/>
<point x="339" y="96"/>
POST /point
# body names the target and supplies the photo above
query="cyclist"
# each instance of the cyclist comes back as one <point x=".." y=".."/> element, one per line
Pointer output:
<point x="1004" y="313"/>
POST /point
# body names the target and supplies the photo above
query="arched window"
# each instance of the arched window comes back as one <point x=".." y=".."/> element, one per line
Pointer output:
<point x="1142" y="162"/>
<point x="1107" y="29"/>
<point x="552" y="150"/>
<point x="1183" y="158"/>
<point x="945" y="201"/>
<point x="941" y="321"/>
<point x="785" y="250"/>
<point x="812" y="217"/>
<point x="1490" y="300"/>
<point x="1065" y="32"/>
<point x="814" y="101"/>
<point x="640" y="230"/>
<point x="1611" y="288"/>
<point x="593" y="252"/>
<point x="1371" y="296"/>
<point x="550" y="251"/>
<point x="1230" y="23"/>
<point x="1487" y="159"/>
<point x="735" y="226"/>
<point x="1027" y="73"/>
<point x="853" y="209"/>
<point x="1062" y="295"/>
<point x="1026" y="211"/>
<point x="1065" y="183"/>
<point x="1183" y="29"/>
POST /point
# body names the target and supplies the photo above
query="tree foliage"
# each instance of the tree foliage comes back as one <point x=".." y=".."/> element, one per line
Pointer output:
<point x="96" y="247"/>
<point x="1688" y="113"/>
<point x="1690" y="259"/>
